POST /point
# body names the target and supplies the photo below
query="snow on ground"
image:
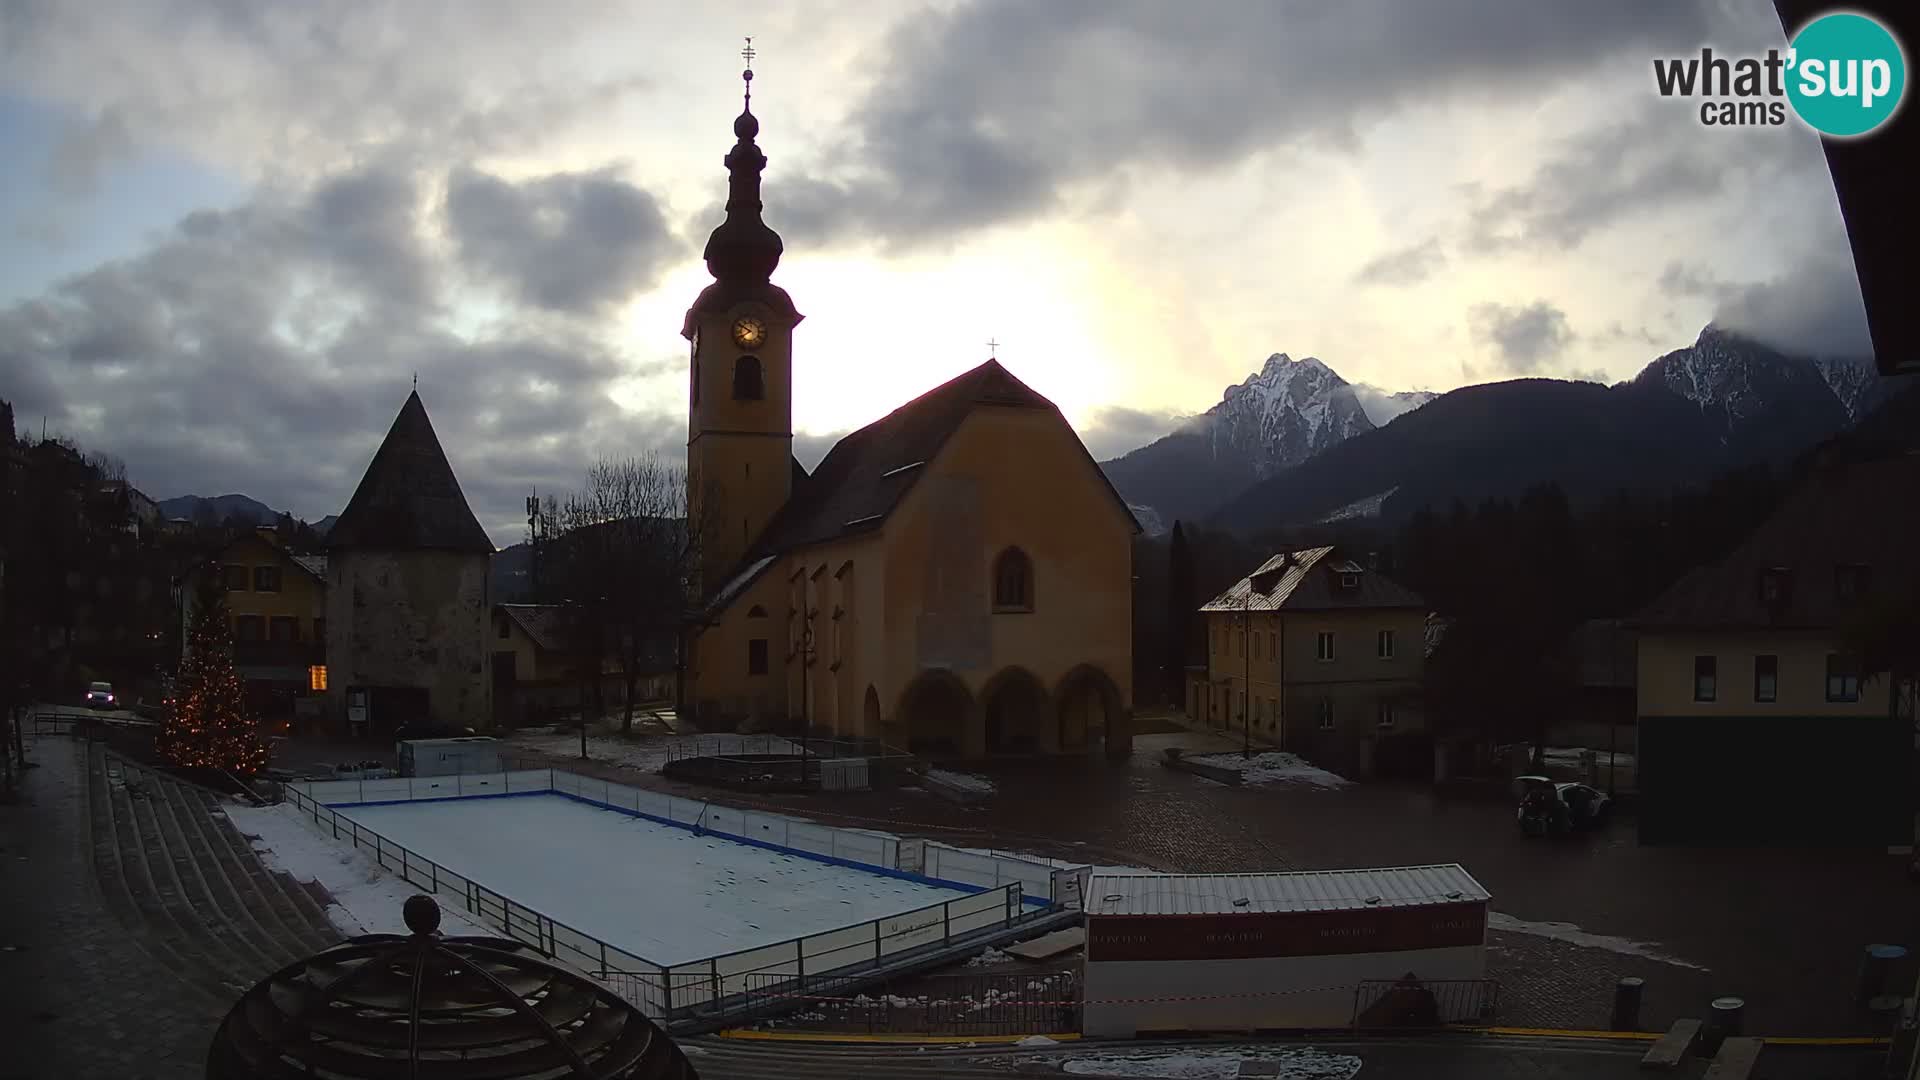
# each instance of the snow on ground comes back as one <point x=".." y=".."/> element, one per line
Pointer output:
<point x="1298" y="1063"/>
<point x="962" y="781"/>
<point x="1034" y="1042"/>
<point x="647" y="753"/>
<point x="990" y="957"/>
<point x="662" y="893"/>
<point x="1274" y="767"/>
<point x="1573" y="935"/>
<point x="366" y="899"/>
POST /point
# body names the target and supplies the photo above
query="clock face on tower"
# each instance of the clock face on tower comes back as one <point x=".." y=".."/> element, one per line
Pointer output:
<point x="749" y="332"/>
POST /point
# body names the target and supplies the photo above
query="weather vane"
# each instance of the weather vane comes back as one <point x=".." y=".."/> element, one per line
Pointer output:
<point x="748" y="54"/>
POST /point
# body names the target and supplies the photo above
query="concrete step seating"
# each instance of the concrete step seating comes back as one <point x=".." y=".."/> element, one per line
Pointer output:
<point x="1736" y="1059"/>
<point x="174" y="869"/>
<point x="1670" y="1049"/>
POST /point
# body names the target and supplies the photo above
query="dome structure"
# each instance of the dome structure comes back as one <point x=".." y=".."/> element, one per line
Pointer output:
<point x="421" y="1006"/>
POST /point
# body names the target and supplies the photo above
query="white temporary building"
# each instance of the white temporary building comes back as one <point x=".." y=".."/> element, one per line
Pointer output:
<point x="1239" y="952"/>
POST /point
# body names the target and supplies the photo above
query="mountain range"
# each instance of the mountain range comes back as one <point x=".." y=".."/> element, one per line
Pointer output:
<point x="218" y="508"/>
<point x="1292" y="445"/>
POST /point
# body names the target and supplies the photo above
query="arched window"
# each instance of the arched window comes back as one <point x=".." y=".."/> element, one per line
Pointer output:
<point x="1013" y="581"/>
<point x="756" y="612"/>
<point x="748" y="385"/>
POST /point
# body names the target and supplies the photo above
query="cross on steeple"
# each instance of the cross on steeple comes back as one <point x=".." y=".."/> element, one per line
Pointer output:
<point x="416" y="380"/>
<point x="748" y="54"/>
<point x="993" y="349"/>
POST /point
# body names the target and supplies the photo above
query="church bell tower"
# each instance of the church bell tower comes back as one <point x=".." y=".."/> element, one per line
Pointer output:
<point x="740" y="393"/>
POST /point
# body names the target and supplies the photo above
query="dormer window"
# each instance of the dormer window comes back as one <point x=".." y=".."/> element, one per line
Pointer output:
<point x="1349" y="580"/>
<point x="1849" y="582"/>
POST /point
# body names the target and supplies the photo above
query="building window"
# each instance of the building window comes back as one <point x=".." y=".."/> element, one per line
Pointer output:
<point x="1273" y="644"/>
<point x="1774" y="586"/>
<point x="1323" y="645"/>
<point x="1259" y="712"/>
<point x="1766" y="678"/>
<point x="237" y="578"/>
<point x="757" y="656"/>
<point x="1384" y="646"/>
<point x="1843" y="678"/>
<point x="1849" y="582"/>
<point x="1256" y="644"/>
<point x="1705" y="678"/>
<point x="1273" y="713"/>
<point x="1013" y="581"/>
<point x="748" y="384"/>
<point x="248" y="628"/>
<point x="1349" y="581"/>
<point x="1384" y="715"/>
<point x="502" y="630"/>
<point x="284" y="629"/>
<point x="1323" y="713"/>
<point x="317" y="677"/>
<point x="320" y="631"/>
<point x="266" y="579"/>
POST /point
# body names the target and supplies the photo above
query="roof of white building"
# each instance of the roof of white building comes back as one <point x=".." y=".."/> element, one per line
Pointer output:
<point x="1314" y="890"/>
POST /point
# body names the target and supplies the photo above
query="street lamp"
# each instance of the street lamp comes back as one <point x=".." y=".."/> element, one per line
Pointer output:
<point x="804" y="652"/>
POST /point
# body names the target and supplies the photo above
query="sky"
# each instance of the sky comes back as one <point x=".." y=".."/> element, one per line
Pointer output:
<point x="232" y="234"/>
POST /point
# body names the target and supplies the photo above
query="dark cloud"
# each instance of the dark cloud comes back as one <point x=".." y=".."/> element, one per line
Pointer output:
<point x="1814" y="309"/>
<point x="1405" y="266"/>
<point x="1523" y="338"/>
<point x="990" y="112"/>
<point x="1113" y="430"/>
<point x="573" y="242"/>
<point x="266" y="348"/>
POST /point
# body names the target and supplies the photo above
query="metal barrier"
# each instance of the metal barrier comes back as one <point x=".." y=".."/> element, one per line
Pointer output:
<point x="711" y="986"/>
<point x="1424" y="1003"/>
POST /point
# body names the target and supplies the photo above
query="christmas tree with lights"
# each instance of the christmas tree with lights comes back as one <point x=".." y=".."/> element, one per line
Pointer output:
<point x="210" y="726"/>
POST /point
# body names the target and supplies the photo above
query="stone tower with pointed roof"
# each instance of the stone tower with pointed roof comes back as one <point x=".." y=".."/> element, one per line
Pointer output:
<point x="954" y="578"/>
<point x="407" y="603"/>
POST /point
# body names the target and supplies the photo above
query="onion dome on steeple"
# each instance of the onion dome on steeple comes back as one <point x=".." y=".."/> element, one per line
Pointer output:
<point x="743" y="252"/>
<point x="743" y="249"/>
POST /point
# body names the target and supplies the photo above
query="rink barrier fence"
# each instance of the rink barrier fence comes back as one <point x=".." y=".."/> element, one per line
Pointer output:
<point x="725" y="983"/>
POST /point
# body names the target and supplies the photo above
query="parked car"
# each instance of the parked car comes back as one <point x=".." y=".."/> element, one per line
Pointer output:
<point x="1548" y="807"/>
<point x="100" y="695"/>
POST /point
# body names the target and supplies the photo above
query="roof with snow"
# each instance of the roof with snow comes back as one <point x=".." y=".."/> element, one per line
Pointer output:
<point x="546" y="624"/>
<point x="1859" y="522"/>
<point x="1312" y="890"/>
<point x="1311" y="580"/>
<point x="409" y="499"/>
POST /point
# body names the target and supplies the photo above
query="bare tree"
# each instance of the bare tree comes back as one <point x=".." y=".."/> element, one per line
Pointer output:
<point x="620" y="553"/>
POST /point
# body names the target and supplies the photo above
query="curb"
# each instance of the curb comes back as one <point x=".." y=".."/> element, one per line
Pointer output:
<point x="749" y="1035"/>
<point x="1650" y="1036"/>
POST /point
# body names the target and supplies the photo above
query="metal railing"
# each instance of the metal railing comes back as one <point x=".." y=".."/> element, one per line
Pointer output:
<point x="711" y="986"/>
<point x="80" y="721"/>
<point x="1424" y="1003"/>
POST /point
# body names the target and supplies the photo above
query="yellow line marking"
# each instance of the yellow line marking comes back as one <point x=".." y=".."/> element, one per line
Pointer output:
<point x="828" y="1036"/>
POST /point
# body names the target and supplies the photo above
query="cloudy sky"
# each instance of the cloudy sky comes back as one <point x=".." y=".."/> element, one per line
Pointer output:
<point x="232" y="232"/>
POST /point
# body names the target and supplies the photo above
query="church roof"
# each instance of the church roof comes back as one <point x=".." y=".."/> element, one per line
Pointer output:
<point x="866" y="474"/>
<point x="409" y="499"/>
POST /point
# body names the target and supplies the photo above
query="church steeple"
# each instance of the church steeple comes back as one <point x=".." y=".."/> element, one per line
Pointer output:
<point x="743" y="250"/>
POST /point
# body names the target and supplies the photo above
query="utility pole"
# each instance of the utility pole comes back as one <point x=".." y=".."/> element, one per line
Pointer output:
<point x="1246" y="662"/>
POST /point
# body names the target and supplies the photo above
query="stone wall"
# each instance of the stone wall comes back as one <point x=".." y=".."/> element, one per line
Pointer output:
<point x="411" y="619"/>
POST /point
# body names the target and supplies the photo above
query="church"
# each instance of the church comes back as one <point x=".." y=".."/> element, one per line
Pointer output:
<point x="953" y="579"/>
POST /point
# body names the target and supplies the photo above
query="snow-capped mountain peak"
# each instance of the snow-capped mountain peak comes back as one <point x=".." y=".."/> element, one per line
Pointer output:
<point x="1283" y="414"/>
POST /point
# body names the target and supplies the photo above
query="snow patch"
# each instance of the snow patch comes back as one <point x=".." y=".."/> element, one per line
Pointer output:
<point x="1274" y="767"/>
<point x="1036" y="1041"/>
<point x="1304" y="1063"/>
<point x="1573" y="935"/>
<point x="990" y="957"/>
<point x="962" y="781"/>
<point x="366" y="899"/>
<point x="1361" y="508"/>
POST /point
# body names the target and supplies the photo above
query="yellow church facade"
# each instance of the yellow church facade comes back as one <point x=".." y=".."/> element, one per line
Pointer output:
<point x="953" y="579"/>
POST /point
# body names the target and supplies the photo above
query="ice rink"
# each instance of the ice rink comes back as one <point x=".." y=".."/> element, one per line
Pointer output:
<point x="656" y="891"/>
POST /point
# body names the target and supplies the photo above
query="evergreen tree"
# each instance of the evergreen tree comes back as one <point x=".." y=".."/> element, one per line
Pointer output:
<point x="1181" y="620"/>
<point x="210" y="726"/>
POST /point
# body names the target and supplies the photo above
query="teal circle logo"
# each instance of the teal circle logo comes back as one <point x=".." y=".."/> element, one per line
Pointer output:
<point x="1846" y="74"/>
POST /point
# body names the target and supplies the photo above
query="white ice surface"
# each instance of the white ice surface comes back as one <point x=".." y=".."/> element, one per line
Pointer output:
<point x="659" y="892"/>
<point x="366" y="899"/>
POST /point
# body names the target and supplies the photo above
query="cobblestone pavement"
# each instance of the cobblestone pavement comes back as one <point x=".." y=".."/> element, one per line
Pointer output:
<point x="79" y="995"/>
<point x="1783" y="929"/>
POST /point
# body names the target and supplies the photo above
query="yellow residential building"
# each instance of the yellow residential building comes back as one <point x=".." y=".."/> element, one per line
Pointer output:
<point x="1315" y="653"/>
<point x="276" y="604"/>
<point x="954" y="578"/>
